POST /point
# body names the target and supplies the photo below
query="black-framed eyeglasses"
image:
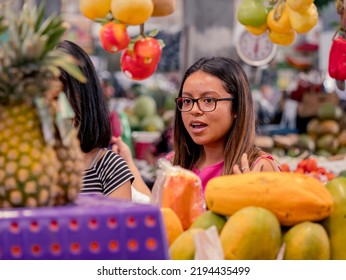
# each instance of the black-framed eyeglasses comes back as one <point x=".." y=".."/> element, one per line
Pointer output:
<point x="205" y="104"/>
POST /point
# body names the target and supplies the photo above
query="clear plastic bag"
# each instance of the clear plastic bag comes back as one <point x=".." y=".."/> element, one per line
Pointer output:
<point x="180" y="190"/>
<point x="208" y="245"/>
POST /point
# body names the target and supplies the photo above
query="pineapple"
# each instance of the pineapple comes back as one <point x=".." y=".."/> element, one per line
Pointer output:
<point x="37" y="165"/>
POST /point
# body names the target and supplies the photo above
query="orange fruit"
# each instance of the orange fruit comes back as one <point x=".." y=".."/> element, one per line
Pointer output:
<point x="299" y="5"/>
<point x="256" y="30"/>
<point x="283" y="39"/>
<point x="303" y="22"/>
<point x="94" y="9"/>
<point x="281" y="24"/>
<point x="134" y="12"/>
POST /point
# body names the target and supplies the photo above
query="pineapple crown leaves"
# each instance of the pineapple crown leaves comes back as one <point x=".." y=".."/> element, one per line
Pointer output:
<point x="28" y="58"/>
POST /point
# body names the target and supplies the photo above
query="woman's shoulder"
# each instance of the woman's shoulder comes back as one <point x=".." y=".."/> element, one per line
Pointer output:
<point x="170" y="156"/>
<point x="110" y="158"/>
<point x="266" y="162"/>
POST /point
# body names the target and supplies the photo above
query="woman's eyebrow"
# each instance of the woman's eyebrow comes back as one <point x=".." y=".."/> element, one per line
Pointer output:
<point x="203" y="94"/>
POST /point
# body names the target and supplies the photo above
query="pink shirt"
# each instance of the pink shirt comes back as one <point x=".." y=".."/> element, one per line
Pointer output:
<point x="208" y="173"/>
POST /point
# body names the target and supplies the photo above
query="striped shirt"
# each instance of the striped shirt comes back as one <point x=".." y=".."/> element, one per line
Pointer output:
<point x="108" y="174"/>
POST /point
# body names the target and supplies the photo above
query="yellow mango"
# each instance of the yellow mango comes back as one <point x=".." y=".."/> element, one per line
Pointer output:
<point x="282" y="23"/>
<point x="172" y="224"/>
<point x="283" y="39"/>
<point x="257" y="30"/>
<point x="251" y="233"/>
<point x="183" y="247"/>
<point x="299" y="5"/>
<point x="303" y="22"/>
<point x="306" y="241"/>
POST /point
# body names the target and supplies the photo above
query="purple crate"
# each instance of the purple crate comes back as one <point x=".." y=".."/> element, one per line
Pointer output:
<point x="94" y="227"/>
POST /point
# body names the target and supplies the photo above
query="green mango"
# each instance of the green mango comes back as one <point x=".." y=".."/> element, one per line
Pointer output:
<point x="335" y="224"/>
<point x="252" y="12"/>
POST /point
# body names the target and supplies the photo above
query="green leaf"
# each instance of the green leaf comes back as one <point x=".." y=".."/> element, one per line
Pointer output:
<point x="68" y="64"/>
<point x="162" y="43"/>
<point x="40" y="15"/>
<point x="153" y="32"/>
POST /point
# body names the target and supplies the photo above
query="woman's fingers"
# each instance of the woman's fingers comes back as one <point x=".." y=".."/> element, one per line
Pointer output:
<point x="244" y="166"/>
<point x="236" y="169"/>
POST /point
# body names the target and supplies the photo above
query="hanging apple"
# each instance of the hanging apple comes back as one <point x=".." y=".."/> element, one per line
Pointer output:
<point x="134" y="68"/>
<point x="148" y="49"/>
<point x="114" y="36"/>
<point x="252" y="12"/>
<point x="140" y="61"/>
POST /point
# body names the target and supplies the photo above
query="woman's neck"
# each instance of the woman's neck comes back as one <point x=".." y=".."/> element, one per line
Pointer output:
<point x="90" y="156"/>
<point x="210" y="156"/>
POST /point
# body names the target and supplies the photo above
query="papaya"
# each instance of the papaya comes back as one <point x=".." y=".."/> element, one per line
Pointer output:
<point x="182" y="192"/>
<point x="306" y="241"/>
<point x="335" y="224"/>
<point x="251" y="233"/>
<point x="183" y="247"/>
<point x="208" y="219"/>
<point x="172" y="224"/>
<point x="292" y="197"/>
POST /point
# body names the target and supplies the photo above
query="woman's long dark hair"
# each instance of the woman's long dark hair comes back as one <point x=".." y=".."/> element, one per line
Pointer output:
<point x="87" y="101"/>
<point x="241" y="135"/>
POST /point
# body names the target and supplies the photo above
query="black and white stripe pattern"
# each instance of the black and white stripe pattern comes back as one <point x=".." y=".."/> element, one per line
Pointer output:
<point x="110" y="172"/>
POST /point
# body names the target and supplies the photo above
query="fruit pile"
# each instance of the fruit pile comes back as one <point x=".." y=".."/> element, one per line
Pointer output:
<point x="140" y="55"/>
<point x="266" y="215"/>
<point x="325" y="136"/>
<point x="328" y="130"/>
<point x="281" y="19"/>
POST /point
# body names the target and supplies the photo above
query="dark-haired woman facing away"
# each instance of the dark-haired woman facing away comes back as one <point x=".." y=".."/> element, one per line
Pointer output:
<point x="105" y="171"/>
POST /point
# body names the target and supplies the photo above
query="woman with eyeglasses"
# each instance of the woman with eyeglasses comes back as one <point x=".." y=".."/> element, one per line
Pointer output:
<point x="214" y="130"/>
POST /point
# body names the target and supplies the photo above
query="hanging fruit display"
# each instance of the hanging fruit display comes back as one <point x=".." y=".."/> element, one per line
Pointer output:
<point x="280" y="19"/>
<point x="140" y="55"/>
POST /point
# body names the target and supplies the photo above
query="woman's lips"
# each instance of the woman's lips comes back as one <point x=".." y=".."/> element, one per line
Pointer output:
<point x="197" y="126"/>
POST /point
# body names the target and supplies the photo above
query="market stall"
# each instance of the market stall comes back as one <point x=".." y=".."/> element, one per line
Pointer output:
<point x="295" y="214"/>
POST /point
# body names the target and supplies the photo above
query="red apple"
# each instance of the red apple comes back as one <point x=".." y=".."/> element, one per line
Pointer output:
<point x="134" y="68"/>
<point x="142" y="61"/>
<point x="148" y="49"/>
<point x="114" y="37"/>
